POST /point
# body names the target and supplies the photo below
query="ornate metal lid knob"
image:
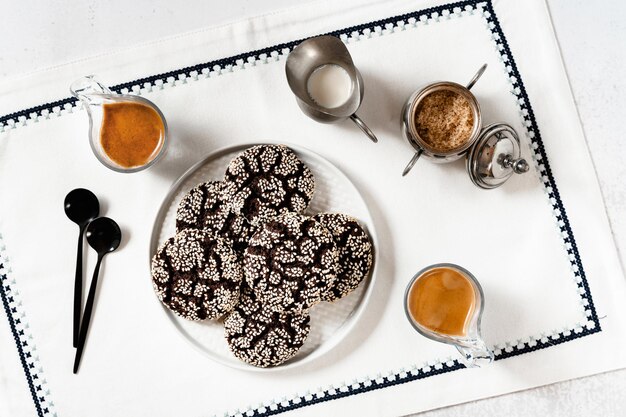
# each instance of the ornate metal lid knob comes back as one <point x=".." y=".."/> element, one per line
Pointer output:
<point x="495" y="157"/>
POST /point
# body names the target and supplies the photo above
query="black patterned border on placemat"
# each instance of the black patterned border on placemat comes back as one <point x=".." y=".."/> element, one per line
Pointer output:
<point x="26" y="352"/>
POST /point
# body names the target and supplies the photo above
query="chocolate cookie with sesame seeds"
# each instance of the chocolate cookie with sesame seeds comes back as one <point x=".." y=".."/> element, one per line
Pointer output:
<point x="204" y="208"/>
<point x="291" y="262"/>
<point x="268" y="180"/>
<point x="262" y="336"/>
<point x="197" y="275"/>
<point x="355" y="253"/>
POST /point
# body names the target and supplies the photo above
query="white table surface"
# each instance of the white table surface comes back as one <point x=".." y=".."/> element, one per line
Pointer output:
<point x="592" y="35"/>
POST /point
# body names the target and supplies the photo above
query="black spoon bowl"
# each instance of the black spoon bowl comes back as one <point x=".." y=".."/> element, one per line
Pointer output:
<point x="81" y="207"/>
<point x="104" y="236"/>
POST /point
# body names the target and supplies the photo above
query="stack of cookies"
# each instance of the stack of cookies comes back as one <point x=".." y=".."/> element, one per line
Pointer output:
<point x="244" y="251"/>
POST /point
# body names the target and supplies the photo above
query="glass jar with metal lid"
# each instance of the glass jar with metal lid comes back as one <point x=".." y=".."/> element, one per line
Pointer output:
<point x="493" y="153"/>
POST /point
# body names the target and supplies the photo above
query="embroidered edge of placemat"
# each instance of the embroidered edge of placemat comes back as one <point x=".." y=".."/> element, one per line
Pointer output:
<point x="12" y="305"/>
<point x="20" y="330"/>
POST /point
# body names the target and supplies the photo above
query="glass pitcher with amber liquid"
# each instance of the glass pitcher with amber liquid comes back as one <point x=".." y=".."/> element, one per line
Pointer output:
<point x="444" y="302"/>
<point x="127" y="133"/>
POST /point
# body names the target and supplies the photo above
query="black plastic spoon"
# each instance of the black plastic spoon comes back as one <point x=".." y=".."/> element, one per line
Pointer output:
<point x="81" y="206"/>
<point x="104" y="235"/>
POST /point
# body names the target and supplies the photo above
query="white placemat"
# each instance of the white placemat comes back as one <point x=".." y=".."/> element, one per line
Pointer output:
<point x="540" y="245"/>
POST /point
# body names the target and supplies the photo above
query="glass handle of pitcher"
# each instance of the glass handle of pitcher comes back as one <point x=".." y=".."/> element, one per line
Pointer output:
<point x="475" y="354"/>
<point x="88" y="89"/>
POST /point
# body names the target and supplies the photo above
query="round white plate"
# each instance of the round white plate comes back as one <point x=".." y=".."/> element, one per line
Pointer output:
<point x="330" y="322"/>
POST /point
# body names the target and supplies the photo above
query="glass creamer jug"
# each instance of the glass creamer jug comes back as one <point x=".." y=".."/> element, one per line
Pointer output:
<point x="127" y="133"/>
<point x="444" y="302"/>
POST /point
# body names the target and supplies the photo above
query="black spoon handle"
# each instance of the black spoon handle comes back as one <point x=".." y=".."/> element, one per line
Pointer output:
<point x="87" y="315"/>
<point x="78" y="287"/>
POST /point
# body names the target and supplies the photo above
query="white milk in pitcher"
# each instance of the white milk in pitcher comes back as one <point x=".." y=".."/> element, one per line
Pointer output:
<point x="330" y="86"/>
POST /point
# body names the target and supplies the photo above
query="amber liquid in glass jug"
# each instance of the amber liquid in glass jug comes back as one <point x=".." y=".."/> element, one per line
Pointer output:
<point x="444" y="302"/>
<point x="127" y="133"/>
